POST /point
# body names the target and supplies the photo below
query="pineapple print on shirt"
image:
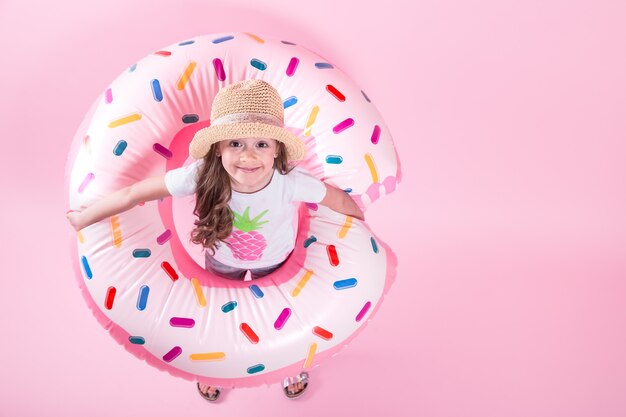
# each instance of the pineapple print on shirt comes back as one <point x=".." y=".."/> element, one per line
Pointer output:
<point x="245" y="242"/>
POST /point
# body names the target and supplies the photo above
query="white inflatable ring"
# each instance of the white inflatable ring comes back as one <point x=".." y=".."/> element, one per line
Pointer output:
<point x="147" y="285"/>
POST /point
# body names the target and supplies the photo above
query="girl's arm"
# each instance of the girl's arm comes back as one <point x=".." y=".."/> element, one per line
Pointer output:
<point x="339" y="201"/>
<point x="119" y="201"/>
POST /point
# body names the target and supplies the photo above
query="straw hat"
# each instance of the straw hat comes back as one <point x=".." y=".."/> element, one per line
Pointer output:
<point x="246" y="109"/>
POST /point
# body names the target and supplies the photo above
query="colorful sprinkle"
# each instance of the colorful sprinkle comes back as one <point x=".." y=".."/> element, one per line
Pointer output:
<point x="282" y="318"/>
<point x="142" y="299"/>
<point x="288" y="43"/>
<point x="334" y="159"/>
<point x="87" y="144"/>
<point x="163" y="53"/>
<point x="323" y="333"/>
<point x="308" y="242"/>
<point x="86" y="268"/>
<point x="256" y="368"/>
<point x="198" y="291"/>
<point x="363" y="311"/>
<point x="184" y="78"/>
<point x="305" y="278"/>
<point x="219" y="69"/>
<point x="332" y="255"/>
<point x="164" y="237"/>
<point x="124" y="120"/>
<point x="137" y="340"/>
<point x="311" y="206"/>
<point x="256" y="38"/>
<point x="343" y="125"/>
<point x="223" y="39"/>
<point x="370" y="164"/>
<point x="190" y="118"/>
<point x="335" y="93"/>
<point x="345" y="283"/>
<point x="120" y="147"/>
<point x="80" y="236"/>
<point x="366" y="97"/>
<point x="157" y="93"/>
<point x="169" y="270"/>
<point x="88" y="178"/>
<point x="141" y="253"/>
<point x="108" y="96"/>
<point x="323" y="65"/>
<point x="374" y="245"/>
<point x="293" y="65"/>
<point x="110" y="297"/>
<point x="376" y="135"/>
<point x="182" y="322"/>
<point x="258" y="64"/>
<point x="229" y="306"/>
<point x="311" y="120"/>
<point x="162" y="150"/>
<point x="186" y="43"/>
<point x="256" y="291"/>
<point x="310" y="355"/>
<point x="116" y="231"/>
<point x="207" y="356"/>
<point x="347" y="190"/>
<point x="172" y="354"/>
<point x="344" y="229"/>
<point x="289" y="101"/>
<point x="249" y="333"/>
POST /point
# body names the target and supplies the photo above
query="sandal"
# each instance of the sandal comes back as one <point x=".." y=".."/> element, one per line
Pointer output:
<point x="209" y="397"/>
<point x="303" y="378"/>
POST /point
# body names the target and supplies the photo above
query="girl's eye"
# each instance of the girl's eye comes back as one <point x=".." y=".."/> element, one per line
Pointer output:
<point x="262" y="145"/>
<point x="235" y="143"/>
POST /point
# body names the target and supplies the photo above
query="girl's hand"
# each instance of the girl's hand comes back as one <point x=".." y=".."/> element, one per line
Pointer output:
<point x="73" y="216"/>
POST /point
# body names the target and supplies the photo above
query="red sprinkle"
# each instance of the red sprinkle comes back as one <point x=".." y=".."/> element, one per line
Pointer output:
<point x="169" y="270"/>
<point x="163" y="53"/>
<point x="108" y="302"/>
<point x="323" y="333"/>
<point x="332" y="255"/>
<point x="336" y="93"/>
<point x="252" y="337"/>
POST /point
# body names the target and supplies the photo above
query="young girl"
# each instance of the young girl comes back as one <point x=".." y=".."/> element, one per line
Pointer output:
<point x="244" y="191"/>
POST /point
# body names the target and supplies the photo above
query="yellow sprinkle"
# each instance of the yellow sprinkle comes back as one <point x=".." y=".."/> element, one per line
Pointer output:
<point x="370" y="164"/>
<point x="199" y="293"/>
<point x="302" y="283"/>
<point x="124" y="120"/>
<point x="310" y="355"/>
<point x="80" y="236"/>
<point x="256" y="38"/>
<point x="87" y="144"/>
<point x="309" y="123"/>
<point x="209" y="356"/>
<point x="182" y="81"/>
<point x="117" y="233"/>
<point x="344" y="229"/>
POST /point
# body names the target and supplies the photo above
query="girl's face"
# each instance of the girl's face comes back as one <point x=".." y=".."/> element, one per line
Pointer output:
<point x="249" y="162"/>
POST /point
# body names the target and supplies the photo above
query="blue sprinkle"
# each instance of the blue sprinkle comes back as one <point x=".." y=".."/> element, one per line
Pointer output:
<point x="290" y="101"/>
<point x="310" y="241"/>
<point x="260" y="65"/>
<point x="229" y="306"/>
<point x="137" y="340"/>
<point x="256" y="368"/>
<point x="86" y="267"/>
<point x="366" y="97"/>
<point x="345" y="283"/>
<point x="288" y="43"/>
<point x="190" y="118"/>
<point x="132" y="68"/>
<point x="347" y="190"/>
<point x="334" y="159"/>
<point x="142" y="300"/>
<point x="156" y="90"/>
<point x="223" y="39"/>
<point x="141" y="253"/>
<point x="186" y="43"/>
<point x="323" y="65"/>
<point x="120" y="147"/>
<point x="374" y="245"/>
<point x="256" y="291"/>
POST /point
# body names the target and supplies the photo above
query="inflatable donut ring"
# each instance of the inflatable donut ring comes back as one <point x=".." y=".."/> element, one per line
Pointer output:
<point x="146" y="283"/>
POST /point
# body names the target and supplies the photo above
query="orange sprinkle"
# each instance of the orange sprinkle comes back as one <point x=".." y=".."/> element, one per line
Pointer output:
<point x="301" y="283"/>
<point x="182" y="81"/>
<point x="124" y="120"/>
<point x="256" y="38"/>
<point x="199" y="294"/>
<point x="344" y="229"/>
<point x="208" y="356"/>
<point x="311" y="121"/>
<point x="310" y="355"/>
<point x="117" y="233"/>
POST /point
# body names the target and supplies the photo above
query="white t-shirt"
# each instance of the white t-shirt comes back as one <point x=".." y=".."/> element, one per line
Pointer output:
<point x="264" y="230"/>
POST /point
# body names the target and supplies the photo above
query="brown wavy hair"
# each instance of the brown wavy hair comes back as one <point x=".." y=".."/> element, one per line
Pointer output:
<point x="214" y="221"/>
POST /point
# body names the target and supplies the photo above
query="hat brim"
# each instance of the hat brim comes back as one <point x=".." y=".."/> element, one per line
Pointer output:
<point x="204" y="138"/>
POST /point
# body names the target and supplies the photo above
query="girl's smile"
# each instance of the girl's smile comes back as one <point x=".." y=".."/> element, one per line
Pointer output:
<point x="249" y="162"/>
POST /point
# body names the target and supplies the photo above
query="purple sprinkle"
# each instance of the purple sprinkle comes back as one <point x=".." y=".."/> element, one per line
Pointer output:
<point x="164" y="237"/>
<point x="291" y="68"/>
<point x="219" y="69"/>
<point x="363" y="311"/>
<point x="182" y="322"/>
<point x="376" y="134"/>
<point x="172" y="354"/>
<point x="108" y="96"/>
<point x="162" y="150"/>
<point x="343" y="125"/>
<point x="86" y="182"/>
<point x="311" y="206"/>
<point x="282" y="319"/>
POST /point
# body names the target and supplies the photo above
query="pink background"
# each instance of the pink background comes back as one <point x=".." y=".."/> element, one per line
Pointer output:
<point x="509" y="225"/>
